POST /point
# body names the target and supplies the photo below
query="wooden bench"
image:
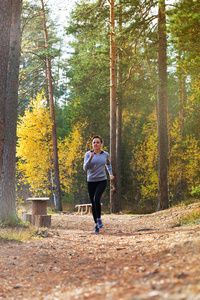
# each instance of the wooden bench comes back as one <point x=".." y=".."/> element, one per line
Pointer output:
<point x="87" y="207"/>
<point x="81" y="207"/>
<point x="39" y="216"/>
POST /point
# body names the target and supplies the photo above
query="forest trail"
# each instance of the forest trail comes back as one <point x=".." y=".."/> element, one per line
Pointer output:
<point x="134" y="257"/>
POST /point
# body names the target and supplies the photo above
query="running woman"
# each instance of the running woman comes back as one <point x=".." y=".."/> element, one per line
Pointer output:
<point x="94" y="163"/>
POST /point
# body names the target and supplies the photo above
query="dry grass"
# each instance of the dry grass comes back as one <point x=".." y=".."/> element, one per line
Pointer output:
<point x="192" y="218"/>
<point x="19" y="234"/>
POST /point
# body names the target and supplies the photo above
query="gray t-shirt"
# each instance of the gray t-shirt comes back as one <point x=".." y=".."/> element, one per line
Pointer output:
<point x="95" y="167"/>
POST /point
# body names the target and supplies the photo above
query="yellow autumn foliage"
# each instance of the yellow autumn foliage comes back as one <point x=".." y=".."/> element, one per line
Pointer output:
<point x="176" y="154"/>
<point x="35" y="151"/>
<point x="192" y="143"/>
<point x="71" y="155"/>
<point x="145" y="163"/>
<point x="34" y="146"/>
<point x="192" y="103"/>
<point x="185" y="148"/>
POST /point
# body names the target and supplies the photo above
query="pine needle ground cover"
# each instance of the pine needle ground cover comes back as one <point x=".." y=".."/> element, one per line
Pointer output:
<point x="133" y="257"/>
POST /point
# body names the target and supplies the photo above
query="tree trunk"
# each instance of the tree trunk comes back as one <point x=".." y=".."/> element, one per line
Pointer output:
<point x="5" y="24"/>
<point x="182" y="96"/>
<point x="57" y="190"/>
<point x="9" y="105"/>
<point x="114" y="203"/>
<point x="119" y="114"/>
<point x="163" y="201"/>
<point x="178" y="194"/>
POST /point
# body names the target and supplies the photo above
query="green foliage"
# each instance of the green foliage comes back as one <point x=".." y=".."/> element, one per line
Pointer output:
<point x="12" y="221"/>
<point x="88" y="68"/>
<point x="191" y="219"/>
<point x="32" y="76"/>
<point x="86" y="111"/>
<point x="195" y="191"/>
<point x="184" y="26"/>
<point x="88" y="73"/>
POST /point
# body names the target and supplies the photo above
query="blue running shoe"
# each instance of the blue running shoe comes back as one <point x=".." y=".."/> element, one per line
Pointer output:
<point x="96" y="229"/>
<point x="99" y="223"/>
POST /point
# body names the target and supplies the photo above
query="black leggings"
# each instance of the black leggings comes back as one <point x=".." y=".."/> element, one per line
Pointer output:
<point x="95" y="190"/>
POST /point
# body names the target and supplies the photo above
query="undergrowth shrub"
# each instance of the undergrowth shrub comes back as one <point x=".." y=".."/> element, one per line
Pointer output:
<point x="191" y="219"/>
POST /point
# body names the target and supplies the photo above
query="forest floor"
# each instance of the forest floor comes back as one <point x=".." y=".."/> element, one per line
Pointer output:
<point x="134" y="257"/>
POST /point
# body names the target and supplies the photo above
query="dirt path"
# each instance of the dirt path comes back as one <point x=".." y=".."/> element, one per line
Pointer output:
<point x="134" y="257"/>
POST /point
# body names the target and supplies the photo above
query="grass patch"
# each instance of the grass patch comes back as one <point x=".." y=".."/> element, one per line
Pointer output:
<point x="191" y="219"/>
<point x="18" y="234"/>
<point x="12" y="221"/>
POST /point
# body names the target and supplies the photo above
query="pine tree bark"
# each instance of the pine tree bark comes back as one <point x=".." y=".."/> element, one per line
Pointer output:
<point x="119" y="114"/>
<point x="181" y="96"/>
<point x="163" y="201"/>
<point x="57" y="189"/>
<point x="114" y="201"/>
<point x="5" y="24"/>
<point x="10" y="56"/>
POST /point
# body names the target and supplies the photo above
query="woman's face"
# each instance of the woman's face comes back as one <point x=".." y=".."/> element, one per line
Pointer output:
<point x="96" y="144"/>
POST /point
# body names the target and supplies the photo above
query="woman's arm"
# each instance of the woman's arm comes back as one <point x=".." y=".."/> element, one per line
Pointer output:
<point x="87" y="160"/>
<point x="109" y="167"/>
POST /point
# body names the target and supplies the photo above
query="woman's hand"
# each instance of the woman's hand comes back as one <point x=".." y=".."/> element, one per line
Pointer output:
<point x="91" y="155"/>
<point x="111" y="177"/>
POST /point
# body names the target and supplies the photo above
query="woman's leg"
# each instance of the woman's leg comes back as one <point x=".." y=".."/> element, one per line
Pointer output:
<point x="91" y="190"/>
<point x="100" y="188"/>
<point x="95" y="190"/>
